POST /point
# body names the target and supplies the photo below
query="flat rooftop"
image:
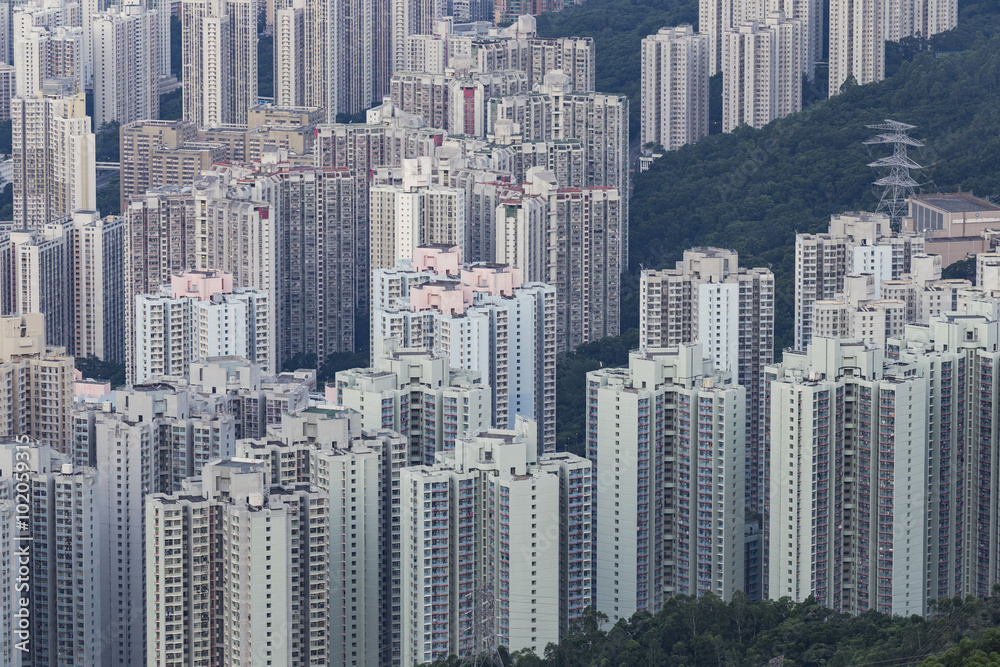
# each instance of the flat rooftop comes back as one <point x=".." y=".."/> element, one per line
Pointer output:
<point x="957" y="203"/>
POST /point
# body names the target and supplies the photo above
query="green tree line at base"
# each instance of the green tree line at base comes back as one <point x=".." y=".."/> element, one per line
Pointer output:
<point x="708" y="632"/>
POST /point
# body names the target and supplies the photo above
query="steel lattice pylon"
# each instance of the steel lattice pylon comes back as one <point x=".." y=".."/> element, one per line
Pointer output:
<point x="484" y="626"/>
<point x="897" y="182"/>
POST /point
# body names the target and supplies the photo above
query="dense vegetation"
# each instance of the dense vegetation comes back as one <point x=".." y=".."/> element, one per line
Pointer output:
<point x="176" y="47"/>
<point x="109" y="198"/>
<point x="711" y="633"/>
<point x="6" y="129"/>
<point x="172" y="105"/>
<point x="93" y="368"/>
<point x="106" y="142"/>
<point x="265" y="66"/>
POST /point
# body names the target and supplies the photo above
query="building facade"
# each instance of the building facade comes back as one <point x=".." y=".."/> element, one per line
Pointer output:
<point x="675" y="72"/>
<point x="728" y="310"/>
<point x="666" y="438"/>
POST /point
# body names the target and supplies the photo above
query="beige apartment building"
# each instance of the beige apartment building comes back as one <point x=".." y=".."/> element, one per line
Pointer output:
<point x="36" y="383"/>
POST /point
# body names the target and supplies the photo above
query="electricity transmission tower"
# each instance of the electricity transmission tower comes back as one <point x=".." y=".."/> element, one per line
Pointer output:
<point x="484" y="632"/>
<point x="897" y="182"/>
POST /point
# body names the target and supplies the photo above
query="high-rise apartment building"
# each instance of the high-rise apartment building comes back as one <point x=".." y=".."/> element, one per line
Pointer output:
<point x="8" y="88"/>
<point x="675" y="71"/>
<point x="198" y="316"/>
<point x="954" y="489"/>
<point x="98" y="286"/>
<point x="479" y="49"/>
<point x="262" y="548"/>
<point x="762" y="67"/>
<point x="54" y="172"/>
<point x="361" y="148"/>
<point x="290" y="232"/>
<point x="907" y="18"/>
<point x="728" y="310"/>
<point x="555" y="112"/>
<point x="856" y="243"/>
<point x="219" y="61"/>
<point x="336" y="57"/>
<point x="459" y="541"/>
<point x="126" y="67"/>
<point x="416" y="212"/>
<point x="59" y="560"/>
<point x="156" y="153"/>
<point x="850" y="480"/>
<point x="70" y="271"/>
<point x="857" y="42"/>
<point x="36" y="383"/>
<point x="10" y="603"/>
<point x="715" y="17"/>
<point x="155" y="437"/>
<point x="43" y="52"/>
<point x="38" y="267"/>
<point x="287" y="231"/>
<point x="586" y="232"/>
<point x="416" y="394"/>
<point x="482" y="318"/>
<point x="360" y="471"/>
<point x="666" y="437"/>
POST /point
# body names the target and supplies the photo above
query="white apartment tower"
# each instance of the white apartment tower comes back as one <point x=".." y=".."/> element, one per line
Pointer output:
<point x="360" y="472"/>
<point x="715" y="17"/>
<point x="849" y="483"/>
<point x="37" y="265"/>
<point x="762" y="67"/>
<point x="416" y="394"/>
<point x="856" y="243"/>
<point x="98" y="289"/>
<point x="857" y="42"/>
<point x="493" y="516"/>
<point x="126" y="67"/>
<point x="906" y="18"/>
<point x="482" y="318"/>
<point x="199" y="316"/>
<point x="412" y="214"/>
<point x="61" y="534"/>
<point x="219" y="60"/>
<point x="958" y="356"/>
<point x="43" y="52"/>
<point x="709" y="299"/>
<point x="156" y="436"/>
<point x="675" y="72"/>
<point x="54" y="172"/>
<point x="261" y="548"/>
<point x="666" y="438"/>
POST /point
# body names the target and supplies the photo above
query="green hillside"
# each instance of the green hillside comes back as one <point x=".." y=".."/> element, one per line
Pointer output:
<point x="710" y="633"/>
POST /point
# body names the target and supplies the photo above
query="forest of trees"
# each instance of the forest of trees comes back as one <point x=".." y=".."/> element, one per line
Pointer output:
<point x="708" y="632"/>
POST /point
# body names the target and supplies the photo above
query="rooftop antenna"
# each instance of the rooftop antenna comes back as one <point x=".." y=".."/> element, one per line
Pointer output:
<point x="897" y="182"/>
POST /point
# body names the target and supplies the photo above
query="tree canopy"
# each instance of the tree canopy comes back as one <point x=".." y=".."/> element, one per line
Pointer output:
<point x="707" y="632"/>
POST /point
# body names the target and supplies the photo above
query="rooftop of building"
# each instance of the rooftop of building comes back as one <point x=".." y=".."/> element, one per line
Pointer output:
<point x="957" y="202"/>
